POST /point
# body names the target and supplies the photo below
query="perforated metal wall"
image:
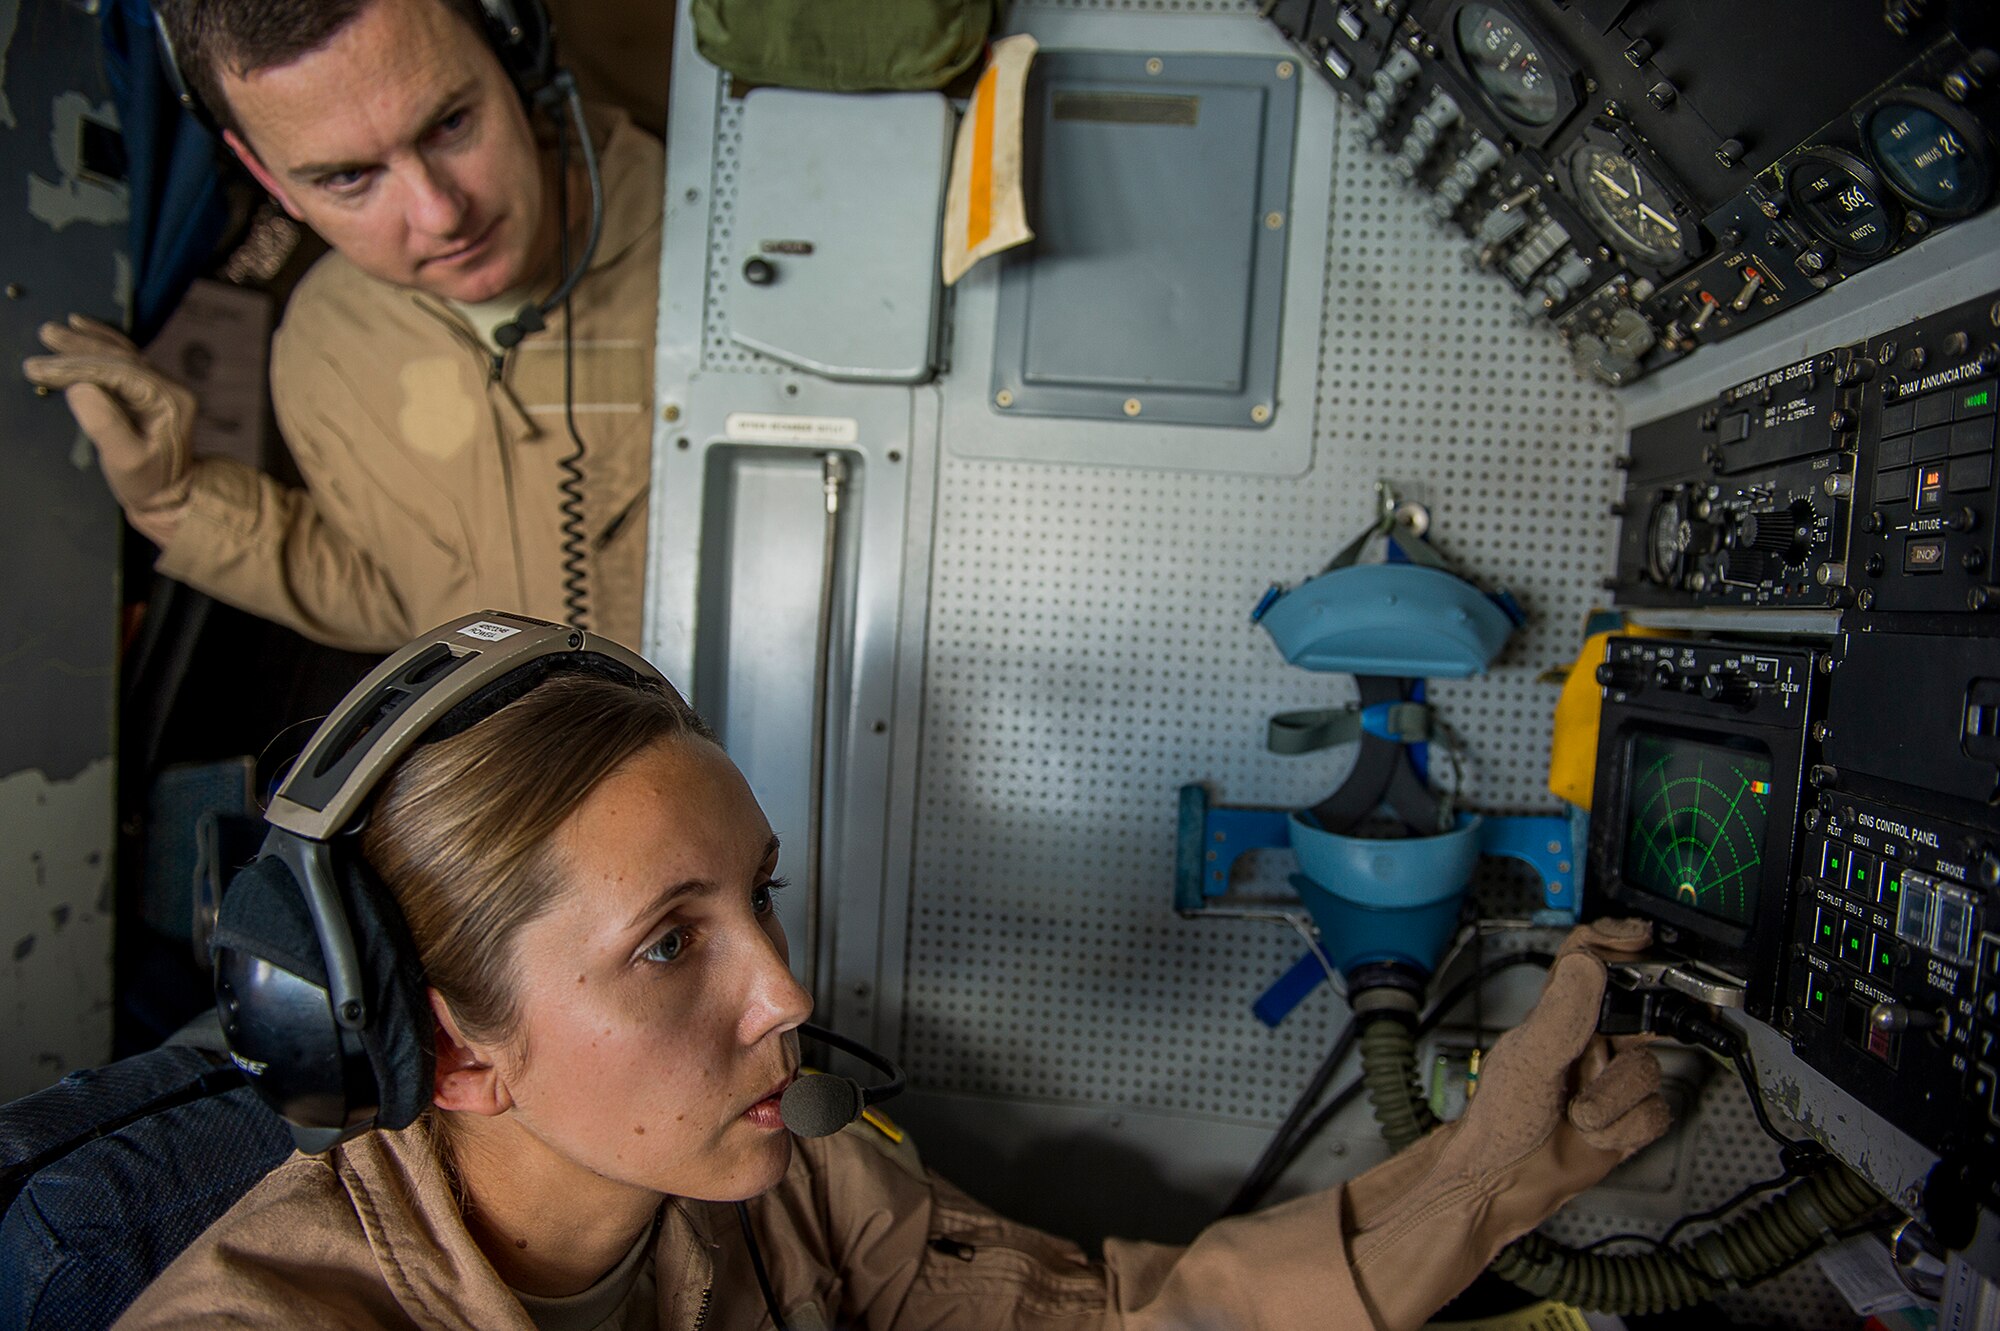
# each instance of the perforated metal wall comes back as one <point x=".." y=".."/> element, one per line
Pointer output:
<point x="1090" y="650"/>
<point x="718" y="351"/>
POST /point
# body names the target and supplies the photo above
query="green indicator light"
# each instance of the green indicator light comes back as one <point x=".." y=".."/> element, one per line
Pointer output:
<point x="1819" y="994"/>
<point x="1861" y="875"/>
<point x="1979" y="399"/>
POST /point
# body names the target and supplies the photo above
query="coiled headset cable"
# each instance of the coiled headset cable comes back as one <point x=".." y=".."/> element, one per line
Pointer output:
<point x="560" y="96"/>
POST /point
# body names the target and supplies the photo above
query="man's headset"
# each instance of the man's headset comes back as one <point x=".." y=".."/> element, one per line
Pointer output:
<point x="523" y="39"/>
<point x="317" y="980"/>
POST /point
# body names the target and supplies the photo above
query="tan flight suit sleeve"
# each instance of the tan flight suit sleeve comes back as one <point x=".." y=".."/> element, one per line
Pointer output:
<point x="264" y="547"/>
<point x="914" y="1252"/>
<point x="315" y="559"/>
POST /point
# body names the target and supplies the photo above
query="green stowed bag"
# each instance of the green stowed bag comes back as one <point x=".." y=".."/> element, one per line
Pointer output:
<point x="843" y="45"/>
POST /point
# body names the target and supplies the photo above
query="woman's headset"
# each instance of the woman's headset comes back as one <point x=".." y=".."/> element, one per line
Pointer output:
<point x="317" y="980"/>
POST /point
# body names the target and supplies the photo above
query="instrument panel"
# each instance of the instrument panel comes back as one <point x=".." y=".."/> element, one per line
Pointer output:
<point x="1809" y="807"/>
<point x="1650" y="180"/>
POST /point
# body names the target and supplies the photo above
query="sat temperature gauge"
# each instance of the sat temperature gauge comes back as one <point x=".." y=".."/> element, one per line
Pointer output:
<point x="1932" y="153"/>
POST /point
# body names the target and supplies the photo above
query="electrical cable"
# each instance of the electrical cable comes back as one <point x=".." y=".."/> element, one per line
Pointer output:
<point x="757" y="1265"/>
<point x="575" y="572"/>
<point x="1278" y="1152"/>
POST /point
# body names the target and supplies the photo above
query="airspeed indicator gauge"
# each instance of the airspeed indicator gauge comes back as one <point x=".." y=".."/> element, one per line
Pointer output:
<point x="1841" y="198"/>
<point x="1633" y="210"/>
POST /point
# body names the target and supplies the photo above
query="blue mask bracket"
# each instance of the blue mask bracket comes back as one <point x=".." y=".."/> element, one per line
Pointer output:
<point x="1210" y="838"/>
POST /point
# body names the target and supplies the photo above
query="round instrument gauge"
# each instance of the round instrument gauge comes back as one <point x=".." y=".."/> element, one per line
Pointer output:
<point x="1841" y="198"/>
<point x="1633" y="210"/>
<point x="1509" y="68"/>
<point x="1669" y="534"/>
<point x="1930" y="152"/>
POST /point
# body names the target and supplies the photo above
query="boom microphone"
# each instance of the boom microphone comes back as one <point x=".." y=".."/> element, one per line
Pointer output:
<point x="822" y="1104"/>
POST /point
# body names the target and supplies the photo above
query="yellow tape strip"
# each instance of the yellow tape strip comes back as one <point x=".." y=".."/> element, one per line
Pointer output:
<point x="979" y="200"/>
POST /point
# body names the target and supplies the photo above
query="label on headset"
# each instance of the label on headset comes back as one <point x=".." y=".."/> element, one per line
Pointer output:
<point x="487" y="631"/>
<point x="763" y="428"/>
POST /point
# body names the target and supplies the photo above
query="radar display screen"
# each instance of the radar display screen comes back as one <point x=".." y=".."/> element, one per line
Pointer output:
<point x="1695" y="824"/>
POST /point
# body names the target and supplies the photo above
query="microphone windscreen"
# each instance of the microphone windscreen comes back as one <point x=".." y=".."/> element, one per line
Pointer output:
<point x="819" y="1105"/>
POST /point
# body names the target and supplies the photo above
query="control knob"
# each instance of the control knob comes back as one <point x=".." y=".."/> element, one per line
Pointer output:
<point x="1624" y="676"/>
<point x="1729" y="688"/>
<point x="1784" y="535"/>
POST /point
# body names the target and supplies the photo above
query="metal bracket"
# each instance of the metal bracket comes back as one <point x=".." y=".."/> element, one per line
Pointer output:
<point x="1211" y="838"/>
<point x="1681" y="977"/>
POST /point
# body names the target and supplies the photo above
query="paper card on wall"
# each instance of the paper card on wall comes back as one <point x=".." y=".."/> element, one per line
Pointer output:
<point x="217" y="343"/>
<point x="984" y="211"/>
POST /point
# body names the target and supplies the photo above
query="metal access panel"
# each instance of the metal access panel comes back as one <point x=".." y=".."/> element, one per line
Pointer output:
<point x="1153" y="288"/>
<point x="836" y="233"/>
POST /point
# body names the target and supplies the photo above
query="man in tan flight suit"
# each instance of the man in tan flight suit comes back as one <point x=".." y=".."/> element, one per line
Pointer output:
<point x="432" y="459"/>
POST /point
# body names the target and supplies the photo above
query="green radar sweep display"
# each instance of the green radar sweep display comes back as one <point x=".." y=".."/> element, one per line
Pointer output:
<point x="1695" y="824"/>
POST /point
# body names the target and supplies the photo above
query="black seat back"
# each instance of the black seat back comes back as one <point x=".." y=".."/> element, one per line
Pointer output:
<point x="106" y="1176"/>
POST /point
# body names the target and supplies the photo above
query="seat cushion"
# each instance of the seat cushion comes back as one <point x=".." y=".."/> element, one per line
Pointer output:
<point x="88" y="1231"/>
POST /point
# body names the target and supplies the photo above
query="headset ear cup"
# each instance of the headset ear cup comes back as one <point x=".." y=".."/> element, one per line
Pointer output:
<point x="401" y="1035"/>
<point x="271" y="994"/>
<point x="524" y="38"/>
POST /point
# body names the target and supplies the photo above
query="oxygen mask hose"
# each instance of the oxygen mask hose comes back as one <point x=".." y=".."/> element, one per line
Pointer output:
<point x="1753" y="1246"/>
<point x="1389" y="1072"/>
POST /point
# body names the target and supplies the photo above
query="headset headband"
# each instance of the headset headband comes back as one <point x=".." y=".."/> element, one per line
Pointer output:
<point x="401" y="701"/>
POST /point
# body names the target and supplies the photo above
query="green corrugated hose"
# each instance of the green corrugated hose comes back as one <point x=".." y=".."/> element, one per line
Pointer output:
<point x="1389" y="1071"/>
<point x="1742" y="1251"/>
